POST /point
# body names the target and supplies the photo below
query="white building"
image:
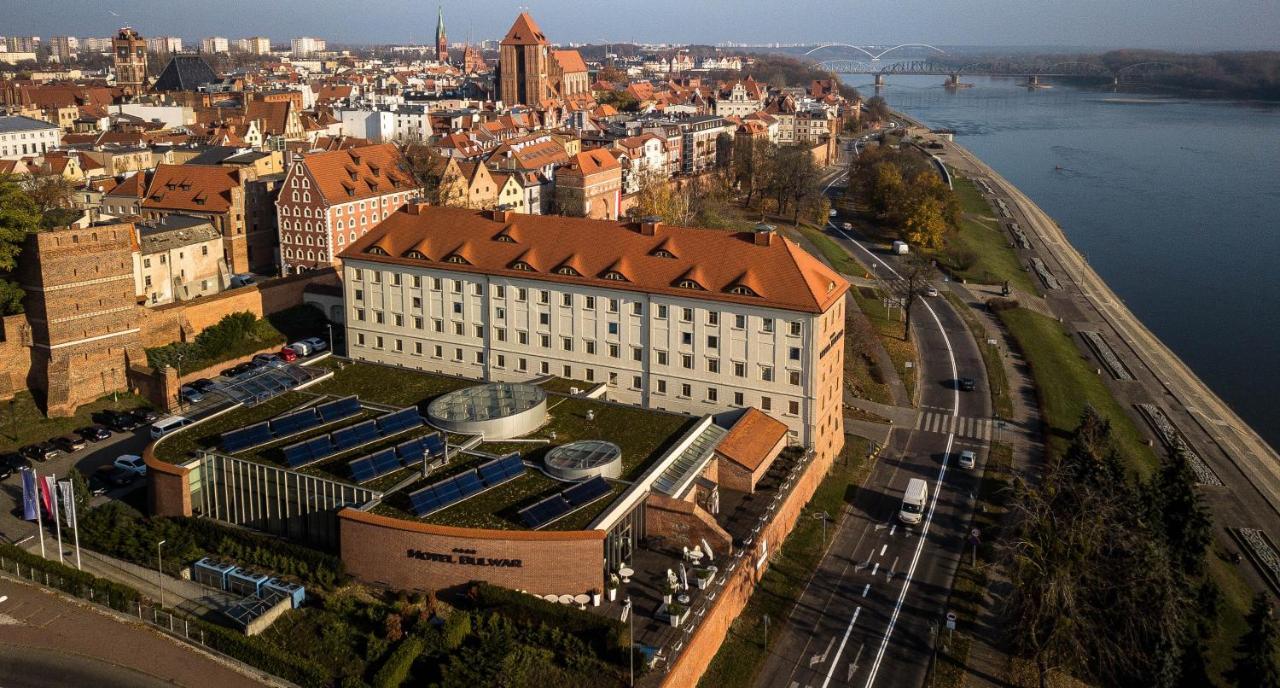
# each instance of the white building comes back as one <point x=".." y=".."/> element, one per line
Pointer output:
<point x="671" y="318"/>
<point x="215" y="44"/>
<point x="178" y="258"/>
<point x="164" y="44"/>
<point x="21" y="136"/>
<point x="398" y="123"/>
<point x="305" y="46"/>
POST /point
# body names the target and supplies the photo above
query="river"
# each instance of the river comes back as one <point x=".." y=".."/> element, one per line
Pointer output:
<point x="1175" y="202"/>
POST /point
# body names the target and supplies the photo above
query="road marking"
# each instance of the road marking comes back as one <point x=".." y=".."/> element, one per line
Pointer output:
<point x="883" y="548"/>
<point x="3" y="598"/>
<point x="875" y="568"/>
<point x="895" y="527"/>
<point x="820" y="658"/>
<point x="937" y="489"/>
<point x="840" y="650"/>
<point x="866" y="589"/>
<point x="853" y="666"/>
<point x="894" y="567"/>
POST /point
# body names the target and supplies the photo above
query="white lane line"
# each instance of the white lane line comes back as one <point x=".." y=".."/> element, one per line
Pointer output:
<point x="883" y="548"/>
<point x="942" y="473"/>
<point x="895" y="527"/>
<point x="875" y="568"/>
<point x="840" y="650"/>
<point x="892" y="568"/>
<point x="920" y="418"/>
<point x="866" y="589"/>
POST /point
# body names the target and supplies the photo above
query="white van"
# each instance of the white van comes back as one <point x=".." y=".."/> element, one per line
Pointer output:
<point x="913" y="501"/>
<point x="168" y="424"/>
<point x="900" y="248"/>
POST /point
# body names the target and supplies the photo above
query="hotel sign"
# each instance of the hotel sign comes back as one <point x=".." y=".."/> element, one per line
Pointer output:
<point x="464" y="557"/>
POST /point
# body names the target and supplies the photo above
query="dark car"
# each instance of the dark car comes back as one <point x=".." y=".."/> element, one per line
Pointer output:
<point x="9" y="464"/>
<point x="118" y="421"/>
<point x="267" y="359"/>
<point x="203" y="385"/>
<point x="42" y="451"/>
<point x="145" y="415"/>
<point x="966" y="384"/>
<point x="237" y="370"/>
<point x="69" y="444"/>
<point x="94" y="433"/>
<point x="107" y="477"/>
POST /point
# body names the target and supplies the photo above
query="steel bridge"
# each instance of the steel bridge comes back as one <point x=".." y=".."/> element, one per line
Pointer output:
<point x="938" y="64"/>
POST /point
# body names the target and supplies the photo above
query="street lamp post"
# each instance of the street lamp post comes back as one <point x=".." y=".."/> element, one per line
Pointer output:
<point x="179" y="357"/>
<point x="160" y="570"/>
<point x="822" y="516"/>
<point x="330" y="326"/>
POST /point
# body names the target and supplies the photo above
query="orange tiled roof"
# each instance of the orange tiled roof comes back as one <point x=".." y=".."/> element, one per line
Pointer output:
<point x="570" y="60"/>
<point x="524" y="32"/>
<point x="201" y="188"/>
<point x="355" y="173"/>
<point x="593" y="161"/>
<point x="751" y="439"/>
<point x="786" y="277"/>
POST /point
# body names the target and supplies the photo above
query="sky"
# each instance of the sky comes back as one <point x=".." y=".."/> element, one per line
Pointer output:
<point x="1169" y="24"/>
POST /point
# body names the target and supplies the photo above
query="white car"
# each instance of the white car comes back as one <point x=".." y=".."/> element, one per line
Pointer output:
<point x="968" y="459"/>
<point x="847" y="226"/>
<point x="832" y="213"/>
<point x="132" y="463"/>
<point x="931" y="291"/>
<point x="317" y="344"/>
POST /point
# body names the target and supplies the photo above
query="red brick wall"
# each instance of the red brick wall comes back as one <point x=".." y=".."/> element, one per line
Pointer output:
<point x="168" y="490"/>
<point x="684" y="523"/>
<point x="705" y="641"/>
<point x="376" y="549"/>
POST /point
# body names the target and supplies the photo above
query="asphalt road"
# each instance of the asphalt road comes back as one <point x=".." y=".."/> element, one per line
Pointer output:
<point x="870" y="614"/>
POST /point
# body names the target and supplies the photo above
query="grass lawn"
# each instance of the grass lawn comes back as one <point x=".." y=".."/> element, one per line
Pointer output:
<point x="1066" y="383"/>
<point x="985" y="241"/>
<point x="996" y="378"/>
<point x="1237" y="596"/>
<point x="889" y="327"/>
<point x="562" y="385"/>
<point x="386" y="384"/>
<point x="180" y="446"/>
<point x="745" y="648"/>
<point x="24" y="423"/>
<point x="861" y="376"/>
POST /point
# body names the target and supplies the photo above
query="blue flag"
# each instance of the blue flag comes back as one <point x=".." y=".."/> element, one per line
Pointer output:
<point x="29" y="503"/>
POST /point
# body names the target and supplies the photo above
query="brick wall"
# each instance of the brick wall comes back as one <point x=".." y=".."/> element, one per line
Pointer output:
<point x="15" y="355"/>
<point x="705" y="641"/>
<point x="168" y="488"/>
<point x="376" y="549"/>
<point x="684" y="524"/>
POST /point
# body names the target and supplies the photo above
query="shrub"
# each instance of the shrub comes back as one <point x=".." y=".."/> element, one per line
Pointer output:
<point x="263" y="655"/>
<point x="395" y="671"/>
<point x="1000" y="304"/>
<point x="235" y="335"/>
<point x="605" y="636"/>
<point x="78" y="583"/>
<point x="456" y="629"/>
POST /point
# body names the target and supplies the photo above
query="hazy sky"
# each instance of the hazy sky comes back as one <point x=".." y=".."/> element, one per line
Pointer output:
<point x="1176" y="24"/>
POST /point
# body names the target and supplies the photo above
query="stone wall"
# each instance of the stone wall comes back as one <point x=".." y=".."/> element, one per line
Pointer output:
<point x="15" y="355"/>
<point x="684" y="524"/>
<point x="409" y="555"/>
<point x="168" y="486"/>
<point x="702" y="646"/>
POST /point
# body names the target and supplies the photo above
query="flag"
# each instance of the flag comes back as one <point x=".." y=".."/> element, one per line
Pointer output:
<point x="68" y="502"/>
<point x="46" y="493"/>
<point x="29" y="495"/>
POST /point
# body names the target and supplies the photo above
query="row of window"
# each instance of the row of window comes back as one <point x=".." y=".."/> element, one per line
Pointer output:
<point x="458" y="355"/>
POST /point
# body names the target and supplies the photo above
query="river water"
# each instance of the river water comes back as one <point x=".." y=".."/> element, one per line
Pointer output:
<point x="1175" y="202"/>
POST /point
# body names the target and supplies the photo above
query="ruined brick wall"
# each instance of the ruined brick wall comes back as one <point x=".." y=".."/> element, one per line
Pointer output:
<point x="15" y="355"/>
<point x="684" y="524"/>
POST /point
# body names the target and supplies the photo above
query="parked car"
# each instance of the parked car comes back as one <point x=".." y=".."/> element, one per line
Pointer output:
<point x="94" y="433"/>
<point x="168" y="424"/>
<point x="238" y="370"/>
<point x="301" y="348"/>
<point x="288" y="355"/>
<point x="966" y="384"/>
<point x="242" y="280"/>
<point x="118" y="421"/>
<point x="190" y="394"/>
<point x="202" y="385"/>
<point x="132" y="463"/>
<point x="107" y="477"/>
<point x="9" y="464"/>
<point x="317" y="344"/>
<point x="69" y="443"/>
<point x="268" y="359"/>
<point x="968" y="459"/>
<point x="145" y="415"/>
<point x="42" y="451"/>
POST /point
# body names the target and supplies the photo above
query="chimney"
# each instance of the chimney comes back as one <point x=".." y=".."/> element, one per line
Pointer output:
<point x="502" y="215"/>
<point x="650" y="225"/>
<point x="763" y="235"/>
<point x="414" y="208"/>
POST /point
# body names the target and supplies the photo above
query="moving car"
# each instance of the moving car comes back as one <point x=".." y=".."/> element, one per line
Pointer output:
<point x="966" y="384"/>
<point x="832" y="212"/>
<point x="931" y="291"/>
<point x="94" y="433"/>
<point x="69" y="443"/>
<point x="42" y="451"/>
<point x="913" y="501"/>
<point x="967" y="459"/>
<point x="847" y="226"/>
<point x="900" y="248"/>
<point x="132" y="463"/>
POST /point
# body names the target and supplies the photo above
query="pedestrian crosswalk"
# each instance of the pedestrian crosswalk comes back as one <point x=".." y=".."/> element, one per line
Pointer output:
<point x="945" y="423"/>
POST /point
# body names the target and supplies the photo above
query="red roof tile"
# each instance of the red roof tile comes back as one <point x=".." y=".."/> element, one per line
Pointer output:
<point x="751" y="439"/>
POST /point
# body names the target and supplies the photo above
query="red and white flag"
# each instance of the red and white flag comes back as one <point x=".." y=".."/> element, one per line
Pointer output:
<point x="46" y="493"/>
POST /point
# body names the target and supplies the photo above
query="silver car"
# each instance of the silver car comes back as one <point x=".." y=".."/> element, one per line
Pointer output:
<point x="968" y="459"/>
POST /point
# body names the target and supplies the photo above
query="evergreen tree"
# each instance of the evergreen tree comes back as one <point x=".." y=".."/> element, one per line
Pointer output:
<point x="1257" y="665"/>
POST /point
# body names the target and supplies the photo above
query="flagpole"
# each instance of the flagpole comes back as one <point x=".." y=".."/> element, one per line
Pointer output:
<point x="69" y="504"/>
<point x="57" y="521"/>
<point x="39" y="520"/>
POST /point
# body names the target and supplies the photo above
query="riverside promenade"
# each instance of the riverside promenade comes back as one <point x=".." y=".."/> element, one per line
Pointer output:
<point x="1239" y="471"/>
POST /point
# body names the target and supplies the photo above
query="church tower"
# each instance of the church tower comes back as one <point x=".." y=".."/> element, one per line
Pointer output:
<point x="130" y="58"/>
<point x="442" y="43"/>
<point x="523" y="70"/>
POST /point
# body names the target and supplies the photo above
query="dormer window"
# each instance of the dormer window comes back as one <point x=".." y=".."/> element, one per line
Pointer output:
<point x="522" y="266"/>
<point x="415" y="255"/>
<point x="690" y="284"/>
<point x="742" y="291"/>
<point x="663" y="253"/>
<point x="376" y="251"/>
<point x="505" y="239"/>
<point x="615" y="276"/>
<point x="566" y="270"/>
<point x="455" y="258"/>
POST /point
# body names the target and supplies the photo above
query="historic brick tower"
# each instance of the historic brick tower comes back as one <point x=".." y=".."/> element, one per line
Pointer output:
<point x="130" y="56"/>
<point x="523" y="64"/>
<point x="442" y="42"/>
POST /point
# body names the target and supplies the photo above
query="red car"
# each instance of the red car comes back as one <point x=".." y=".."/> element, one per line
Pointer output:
<point x="289" y="355"/>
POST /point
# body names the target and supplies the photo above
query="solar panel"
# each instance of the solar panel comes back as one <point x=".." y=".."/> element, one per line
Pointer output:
<point x="336" y="410"/>
<point x="320" y="446"/>
<point x="426" y="501"/>
<point x="469" y="483"/>
<point x="398" y="420"/>
<point x="362" y="470"/>
<point x="584" y="493"/>
<point x="385" y="461"/>
<point x="498" y="471"/>
<point x="411" y="450"/>
<point x="294" y="422"/>
<point x="434" y="444"/>
<point x="355" y="435"/>
<point x="297" y="454"/>
<point x="374" y="465"/>
<point x="237" y="440"/>
<point x="544" y="512"/>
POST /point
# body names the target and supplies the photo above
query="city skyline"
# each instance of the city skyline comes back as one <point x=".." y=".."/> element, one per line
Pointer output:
<point x="1180" y="24"/>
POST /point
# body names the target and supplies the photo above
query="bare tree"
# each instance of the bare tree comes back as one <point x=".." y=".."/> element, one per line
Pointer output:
<point x="912" y="283"/>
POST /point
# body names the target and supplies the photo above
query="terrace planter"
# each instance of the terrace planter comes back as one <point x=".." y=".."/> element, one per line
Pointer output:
<point x="676" y="614"/>
<point x="703" y="577"/>
<point x="595" y="599"/>
<point x="613" y="594"/>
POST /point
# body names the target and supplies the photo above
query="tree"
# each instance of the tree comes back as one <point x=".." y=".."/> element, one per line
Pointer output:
<point x="52" y="195"/>
<point x="1181" y="516"/>
<point x="752" y="163"/>
<point x="19" y="216"/>
<point x="660" y="197"/>
<point x="1256" y="665"/>
<point x="438" y="183"/>
<point x="912" y="283"/>
<point x="877" y="108"/>
<point x="925" y="226"/>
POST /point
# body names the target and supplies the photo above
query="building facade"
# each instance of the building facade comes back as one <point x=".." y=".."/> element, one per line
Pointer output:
<point x="523" y="64"/>
<point x="24" y="136"/>
<point x="669" y="318"/>
<point x="129" y="55"/>
<point x="215" y="44"/>
<point x="590" y="185"/>
<point x="178" y="258"/>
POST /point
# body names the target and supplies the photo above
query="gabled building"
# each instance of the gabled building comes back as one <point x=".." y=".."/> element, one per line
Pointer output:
<point x="185" y="73"/>
<point x="590" y="185"/>
<point x="215" y="193"/>
<point x="331" y="199"/>
<point x="524" y="69"/>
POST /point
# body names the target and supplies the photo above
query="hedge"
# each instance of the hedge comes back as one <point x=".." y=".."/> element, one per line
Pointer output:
<point x="395" y="671"/>
<point x="78" y="583"/>
<point x="262" y="654"/>
<point x="607" y="637"/>
<point x="235" y="335"/>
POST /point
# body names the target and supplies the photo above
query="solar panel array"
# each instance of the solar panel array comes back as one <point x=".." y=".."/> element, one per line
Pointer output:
<point x="289" y="424"/>
<point x="392" y="459"/>
<point x="558" y="505"/>
<point x="448" y="492"/>
<point x="350" y="437"/>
